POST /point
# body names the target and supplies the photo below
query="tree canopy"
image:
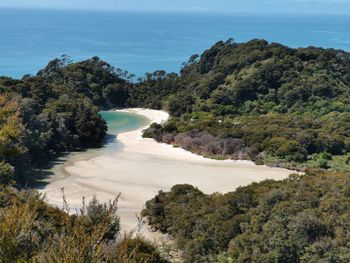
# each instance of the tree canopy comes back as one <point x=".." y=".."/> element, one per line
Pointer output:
<point x="283" y="106"/>
<point x="304" y="218"/>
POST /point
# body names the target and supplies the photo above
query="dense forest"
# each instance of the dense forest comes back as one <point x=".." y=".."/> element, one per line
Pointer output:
<point x="55" y="111"/>
<point x="305" y="218"/>
<point x="261" y="101"/>
<point x="265" y="102"/>
<point x="271" y="104"/>
<point x="30" y="229"/>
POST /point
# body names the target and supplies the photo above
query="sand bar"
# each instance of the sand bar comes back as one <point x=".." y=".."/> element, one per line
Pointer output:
<point x="143" y="167"/>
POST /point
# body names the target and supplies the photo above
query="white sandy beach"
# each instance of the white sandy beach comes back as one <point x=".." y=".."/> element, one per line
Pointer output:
<point x="143" y="167"/>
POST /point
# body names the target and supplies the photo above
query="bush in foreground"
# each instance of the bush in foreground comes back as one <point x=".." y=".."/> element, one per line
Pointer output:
<point x="32" y="231"/>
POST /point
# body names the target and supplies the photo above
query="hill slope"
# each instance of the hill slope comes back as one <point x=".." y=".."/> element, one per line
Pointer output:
<point x="300" y="219"/>
<point x="56" y="111"/>
<point x="260" y="101"/>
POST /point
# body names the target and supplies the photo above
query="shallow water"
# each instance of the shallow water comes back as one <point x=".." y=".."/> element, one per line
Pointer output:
<point x="117" y="122"/>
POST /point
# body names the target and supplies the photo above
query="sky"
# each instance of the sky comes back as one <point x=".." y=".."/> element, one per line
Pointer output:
<point x="207" y="6"/>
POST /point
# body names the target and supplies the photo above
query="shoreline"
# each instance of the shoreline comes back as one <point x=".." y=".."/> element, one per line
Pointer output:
<point x="160" y="116"/>
<point x="143" y="167"/>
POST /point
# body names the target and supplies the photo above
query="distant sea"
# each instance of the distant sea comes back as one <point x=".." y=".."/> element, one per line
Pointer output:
<point x="144" y="42"/>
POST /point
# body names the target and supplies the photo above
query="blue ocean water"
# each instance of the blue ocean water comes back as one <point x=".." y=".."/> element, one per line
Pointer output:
<point x="144" y="42"/>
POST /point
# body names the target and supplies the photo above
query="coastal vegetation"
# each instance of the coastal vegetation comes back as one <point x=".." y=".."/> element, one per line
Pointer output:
<point x="265" y="102"/>
<point x="274" y="105"/>
<point x="257" y="100"/>
<point x="55" y="111"/>
<point x="304" y="218"/>
<point x="260" y="101"/>
<point x="32" y="231"/>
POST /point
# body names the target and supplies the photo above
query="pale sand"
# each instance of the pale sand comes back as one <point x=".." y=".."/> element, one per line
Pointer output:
<point x="143" y="167"/>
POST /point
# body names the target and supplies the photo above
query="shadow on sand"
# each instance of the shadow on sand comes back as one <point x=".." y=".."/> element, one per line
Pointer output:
<point x="40" y="177"/>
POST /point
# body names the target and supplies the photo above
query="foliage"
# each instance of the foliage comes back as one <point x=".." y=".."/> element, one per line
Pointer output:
<point x="255" y="100"/>
<point x="137" y="250"/>
<point x="281" y="102"/>
<point x="32" y="231"/>
<point x="58" y="109"/>
<point x="10" y="138"/>
<point x="304" y="218"/>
